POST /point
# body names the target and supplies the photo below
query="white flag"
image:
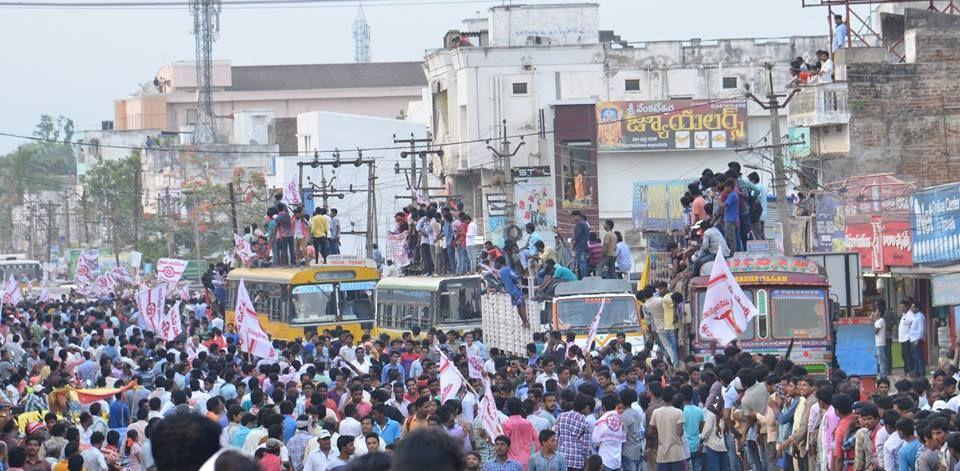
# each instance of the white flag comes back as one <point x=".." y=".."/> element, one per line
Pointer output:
<point x="150" y="304"/>
<point x="291" y="193"/>
<point x="44" y="291"/>
<point x="726" y="309"/>
<point x="184" y="293"/>
<point x="11" y="292"/>
<point x="171" y="325"/>
<point x="489" y="416"/>
<point x="474" y="364"/>
<point x="593" y="327"/>
<point x="121" y="275"/>
<point x="450" y="379"/>
<point x="252" y="337"/>
<point x="242" y="248"/>
<point x="170" y="270"/>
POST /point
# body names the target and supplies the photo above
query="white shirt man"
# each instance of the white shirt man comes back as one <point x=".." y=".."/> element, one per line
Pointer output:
<point x="903" y="329"/>
<point x="918" y="327"/>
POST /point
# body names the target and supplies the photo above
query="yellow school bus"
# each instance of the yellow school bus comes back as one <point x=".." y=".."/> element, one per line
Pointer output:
<point x="298" y="302"/>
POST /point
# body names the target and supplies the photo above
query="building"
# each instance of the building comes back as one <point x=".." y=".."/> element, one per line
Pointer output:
<point x="548" y="73"/>
<point x="381" y="89"/>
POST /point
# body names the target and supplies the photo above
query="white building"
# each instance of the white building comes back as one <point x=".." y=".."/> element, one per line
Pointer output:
<point x="325" y="130"/>
<point x="549" y="71"/>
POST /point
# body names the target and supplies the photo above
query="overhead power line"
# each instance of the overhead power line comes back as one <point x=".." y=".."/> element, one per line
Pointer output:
<point x="228" y="3"/>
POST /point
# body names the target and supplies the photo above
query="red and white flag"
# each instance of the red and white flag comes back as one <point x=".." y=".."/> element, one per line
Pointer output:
<point x="252" y="337"/>
<point x="11" y="292"/>
<point x="121" y="275"/>
<point x="44" y="290"/>
<point x="594" y="326"/>
<point x="242" y="249"/>
<point x="474" y="363"/>
<point x="489" y="415"/>
<point x="291" y="193"/>
<point x="170" y="270"/>
<point x="726" y="309"/>
<point x="171" y="326"/>
<point x="184" y="293"/>
<point x="450" y="379"/>
<point x="150" y="304"/>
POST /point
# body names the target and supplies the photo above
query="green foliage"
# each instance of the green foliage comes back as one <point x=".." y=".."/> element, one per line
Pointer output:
<point x="111" y="192"/>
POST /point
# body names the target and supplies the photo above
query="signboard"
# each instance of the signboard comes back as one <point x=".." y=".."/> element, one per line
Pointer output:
<point x="843" y="271"/>
<point x="935" y="217"/>
<point x="536" y="200"/>
<point x="656" y="205"/>
<point x="880" y="243"/>
<point x="672" y="124"/>
<point x="531" y="172"/>
<point x="946" y="289"/>
<point x="828" y="224"/>
<point x="775" y="263"/>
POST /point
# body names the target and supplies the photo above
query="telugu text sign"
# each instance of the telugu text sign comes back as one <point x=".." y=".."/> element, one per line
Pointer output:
<point x="935" y="219"/>
<point x="672" y="124"/>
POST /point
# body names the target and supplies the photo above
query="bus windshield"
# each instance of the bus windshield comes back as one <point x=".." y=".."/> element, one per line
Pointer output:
<point x="619" y="312"/>
<point x="799" y="313"/>
<point x="325" y="302"/>
<point x="356" y="300"/>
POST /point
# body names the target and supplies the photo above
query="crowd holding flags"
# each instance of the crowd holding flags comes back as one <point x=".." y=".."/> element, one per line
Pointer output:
<point x="253" y="339"/>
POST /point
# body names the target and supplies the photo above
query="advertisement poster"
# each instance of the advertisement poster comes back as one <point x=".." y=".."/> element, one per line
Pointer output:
<point x="535" y="197"/>
<point x="828" y="224"/>
<point x="881" y="244"/>
<point x="935" y="217"/>
<point x="672" y="124"/>
<point x="656" y="205"/>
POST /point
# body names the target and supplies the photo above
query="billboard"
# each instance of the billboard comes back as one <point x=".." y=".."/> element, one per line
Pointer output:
<point x="880" y="243"/>
<point x="656" y="205"/>
<point x="935" y="217"/>
<point x="828" y="224"/>
<point x="672" y="124"/>
<point x="536" y="199"/>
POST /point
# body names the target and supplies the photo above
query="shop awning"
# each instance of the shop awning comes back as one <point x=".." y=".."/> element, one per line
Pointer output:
<point x="922" y="271"/>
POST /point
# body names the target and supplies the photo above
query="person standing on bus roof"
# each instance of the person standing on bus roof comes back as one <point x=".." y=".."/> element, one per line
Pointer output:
<point x="581" y="233"/>
<point x="608" y="265"/>
<point x="334" y="232"/>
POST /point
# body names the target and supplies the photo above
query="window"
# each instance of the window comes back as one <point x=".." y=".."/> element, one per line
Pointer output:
<point x="459" y="301"/>
<point x="578" y="174"/>
<point x="402" y="308"/>
<point x="729" y="83"/>
<point x="799" y="313"/>
<point x="631" y="85"/>
<point x="519" y="88"/>
<point x="192" y="116"/>
<point x="356" y="300"/>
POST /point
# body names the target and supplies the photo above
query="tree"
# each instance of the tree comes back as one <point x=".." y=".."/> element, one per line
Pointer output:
<point x="111" y="189"/>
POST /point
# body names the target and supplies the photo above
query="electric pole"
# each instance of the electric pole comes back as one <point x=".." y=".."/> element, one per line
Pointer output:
<point x="233" y="208"/>
<point x="372" y="234"/>
<point x="773" y="105"/>
<point x="415" y="186"/>
<point x="138" y="205"/>
<point x="503" y="162"/>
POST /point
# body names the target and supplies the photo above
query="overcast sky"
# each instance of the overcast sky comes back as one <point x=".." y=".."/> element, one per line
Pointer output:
<point x="76" y="62"/>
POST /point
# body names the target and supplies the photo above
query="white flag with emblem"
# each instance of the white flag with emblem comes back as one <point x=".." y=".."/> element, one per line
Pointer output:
<point x="474" y="363"/>
<point x="171" y="326"/>
<point x="726" y="309"/>
<point x="594" y="326"/>
<point x="252" y="337"/>
<point x="44" y="290"/>
<point x="150" y="304"/>
<point x="450" y="379"/>
<point x="11" y="292"/>
<point x="291" y="193"/>
<point x="489" y="416"/>
<point x="170" y="270"/>
<point x="242" y="248"/>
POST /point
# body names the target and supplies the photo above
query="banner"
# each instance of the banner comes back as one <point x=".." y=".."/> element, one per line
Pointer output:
<point x="881" y="244"/>
<point x="593" y="328"/>
<point x="726" y="309"/>
<point x="11" y="292"/>
<point x="672" y="124"/>
<point x="536" y="200"/>
<point x="450" y="379"/>
<point x="474" y="364"/>
<point x="121" y="275"/>
<point x="104" y="284"/>
<point x="253" y="339"/>
<point x="656" y="205"/>
<point x="489" y="415"/>
<point x="242" y="249"/>
<point x="170" y="270"/>
<point x="935" y="218"/>
<point x="171" y="326"/>
<point x="135" y="259"/>
<point x="149" y="303"/>
<point x="397" y="248"/>
<point x="828" y="223"/>
<point x="291" y="193"/>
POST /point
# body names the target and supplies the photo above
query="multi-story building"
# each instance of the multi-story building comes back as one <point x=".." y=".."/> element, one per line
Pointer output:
<point x="548" y="73"/>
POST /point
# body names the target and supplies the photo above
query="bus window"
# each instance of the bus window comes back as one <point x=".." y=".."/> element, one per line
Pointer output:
<point x="314" y="303"/>
<point x="748" y="334"/>
<point x="356" y="300"/>
<point x="459" y="302"/>
<point x="798" y="313"/>
<point x="577" y="314"/>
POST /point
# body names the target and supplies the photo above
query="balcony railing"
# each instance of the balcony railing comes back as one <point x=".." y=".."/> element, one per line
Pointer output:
<point x="819" y="105"/>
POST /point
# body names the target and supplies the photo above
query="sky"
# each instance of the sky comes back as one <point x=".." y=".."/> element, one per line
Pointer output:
<point x="75" y="62"/>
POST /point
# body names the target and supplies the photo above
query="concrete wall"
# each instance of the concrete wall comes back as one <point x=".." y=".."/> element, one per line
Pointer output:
<point x="556" y="24"/>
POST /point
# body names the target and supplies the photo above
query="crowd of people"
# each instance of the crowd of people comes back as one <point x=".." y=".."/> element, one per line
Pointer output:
<point x="85" y="385"/>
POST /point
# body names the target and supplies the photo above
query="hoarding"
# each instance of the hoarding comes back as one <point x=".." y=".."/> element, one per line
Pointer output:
<point x="672" y="124"/>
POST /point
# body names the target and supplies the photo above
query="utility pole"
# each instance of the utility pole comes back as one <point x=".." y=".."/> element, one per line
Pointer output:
<point x="66" y="219"/>
<point x="773" y="105"/>
<point x="233" y="208"/>
<point x="86" y="233"/>
<point x="196" y="233"/>
<point x="49" y="207"/>
<point x="412" y="153"/>
<point x="372" y="235"/>
<point x="503" y="162"/>
<point x="138" y="205"/>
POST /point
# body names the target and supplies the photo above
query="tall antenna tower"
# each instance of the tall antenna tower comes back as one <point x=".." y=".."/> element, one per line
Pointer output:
<point x="361" y="38"/>
<point x="206" y="27"/>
